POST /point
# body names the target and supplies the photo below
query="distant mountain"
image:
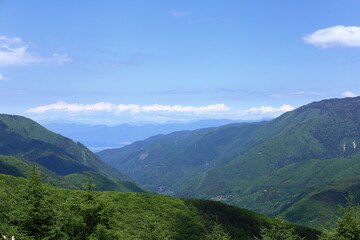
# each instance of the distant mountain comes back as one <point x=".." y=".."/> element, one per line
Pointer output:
<point x="102" y="137"/>
<point x="267" y="167"/>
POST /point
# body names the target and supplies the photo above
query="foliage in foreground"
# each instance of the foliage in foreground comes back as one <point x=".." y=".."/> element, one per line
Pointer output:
<point x="33" y="211"/>
<point x="347" y="228"/>
<point x="348" y="225"/>
<point x="279" y="230"/>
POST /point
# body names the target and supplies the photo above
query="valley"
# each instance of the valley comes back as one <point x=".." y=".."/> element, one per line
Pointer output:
<point x="179" y="120"/>
<point x="299" y="166"/>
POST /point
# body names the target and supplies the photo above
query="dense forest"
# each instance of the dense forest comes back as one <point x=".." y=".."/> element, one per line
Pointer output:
<point x="33" y="210"/>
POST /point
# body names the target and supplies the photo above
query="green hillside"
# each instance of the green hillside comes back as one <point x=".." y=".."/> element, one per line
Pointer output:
<point x="166" y="162"/>
<point x="317" y="145"/>
<point x="321" y="206"/>
<point x="102" y="183"/>
<point x="23" y="138"/>
<point x="31" y="209"/>
<point x="61" y="161"/>
<point x="316" y="131"/>
<point x="21" y="168"/>
<point x="266" y="167"/>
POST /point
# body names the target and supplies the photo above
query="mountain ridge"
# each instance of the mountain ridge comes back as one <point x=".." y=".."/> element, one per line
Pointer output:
<point x="64" y="163"/>
<point x="100" y="137"/>
<point x="23" y="137"/>
<point x="315" y="134"/>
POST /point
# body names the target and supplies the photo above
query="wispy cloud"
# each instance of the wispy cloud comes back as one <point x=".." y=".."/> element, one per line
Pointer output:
<point x="296" y="94"/>
<point x="15" y="52"/>
<point x="203" y="90"/>
<point x="176" y="13"/>
<point x="349" y="94"/>
<point x="336" y="36"/>
<point x="3" y="78"/>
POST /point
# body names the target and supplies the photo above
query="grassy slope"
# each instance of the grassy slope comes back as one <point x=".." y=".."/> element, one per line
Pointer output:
<point x="22" y="137"/>
<point x="182" y="218"/>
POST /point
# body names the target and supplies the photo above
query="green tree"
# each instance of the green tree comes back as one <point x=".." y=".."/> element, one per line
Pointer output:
<point x="218" y="233"/>
<point x="279" y="230"/>
<point x="37" y="214"/>
<point x="9" y="202"/>
<point x="150" y="227"/>
<point x="86" y="216"/>
<point x="348" y="225"/>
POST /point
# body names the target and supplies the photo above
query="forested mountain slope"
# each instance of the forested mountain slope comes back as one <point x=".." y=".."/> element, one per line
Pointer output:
<point x="166" y="162"/>
<point x="321" y="130"/>
<point x="267" y="167"/>
<point x="61" y="161"/>
<point x="69" y="214"/>
<point x="21" y="137"/>
<point x="21" y="168"/>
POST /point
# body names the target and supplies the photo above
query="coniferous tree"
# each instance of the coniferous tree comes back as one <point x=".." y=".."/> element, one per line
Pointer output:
<point x="9" y="220"/>
<point x="86" y="216"/>
<point x="150" y="228"/>
<point x="218" y="233"/>
<point x="278" y="231"/>
<point x="37" y="216"/>
<point x="348" y="225"/>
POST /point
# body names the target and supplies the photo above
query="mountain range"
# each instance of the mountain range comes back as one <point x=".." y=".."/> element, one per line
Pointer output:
<point x="100" y="137"/>
<point x="300" y="165"/>
<point x="134" y="213"/>
<point x="274" y="167"/>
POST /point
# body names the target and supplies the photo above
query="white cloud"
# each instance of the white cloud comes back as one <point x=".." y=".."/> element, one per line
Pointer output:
<point x="175" y="13"/>
<point x="337" y="36"/>
<point x="120" y="108"/>
<point x="112" y="114"/>
<point x="269" y="109"/>
<point x="349" y="94"/>
<point x="15" y="52"/>
<point x="3" y="78"/>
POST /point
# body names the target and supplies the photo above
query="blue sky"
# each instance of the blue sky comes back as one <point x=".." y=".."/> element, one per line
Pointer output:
<point x="111" y="62"/>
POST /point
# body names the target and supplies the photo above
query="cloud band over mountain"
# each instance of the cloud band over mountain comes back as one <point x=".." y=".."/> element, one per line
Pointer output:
<point x="111" y="113"/>
<point x="117" y="109"/>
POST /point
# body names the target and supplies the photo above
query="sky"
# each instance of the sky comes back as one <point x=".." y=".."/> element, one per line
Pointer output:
<point x="112" y="62"/>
